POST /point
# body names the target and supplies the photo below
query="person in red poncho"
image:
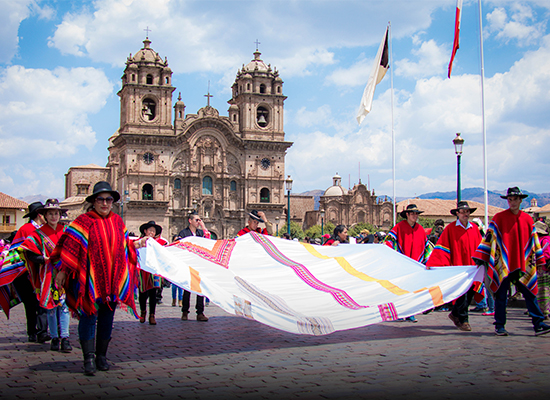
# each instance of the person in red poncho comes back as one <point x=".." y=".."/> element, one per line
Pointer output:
<point x="149" y="284"/>
<point x="455" y="246"/>
<point x="408" y="238"/>
<point x="254" y="219"/>
<point x="36" y="250"/>
<point x="97" y="266"/>
<point x="511" y="251"/>
<point x="37" y="323"/>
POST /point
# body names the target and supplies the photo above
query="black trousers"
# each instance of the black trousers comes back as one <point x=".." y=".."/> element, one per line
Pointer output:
<point x="150" y="294"/>
<point x="37" y="317"/>
<point x="460" y="308"/>
<point x="186" y="303"/>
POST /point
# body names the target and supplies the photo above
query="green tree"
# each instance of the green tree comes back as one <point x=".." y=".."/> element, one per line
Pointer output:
<point x="314" y="231"/>
<point x="295" y="230"/>
<point x="425" y="222"/>
<point x="359" y="227"/>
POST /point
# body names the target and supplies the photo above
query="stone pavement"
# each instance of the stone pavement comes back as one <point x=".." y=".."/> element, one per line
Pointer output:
<point x="230" y="357"/>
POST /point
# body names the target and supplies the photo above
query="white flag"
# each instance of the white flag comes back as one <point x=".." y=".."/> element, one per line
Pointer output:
<point x="381" y="65"/>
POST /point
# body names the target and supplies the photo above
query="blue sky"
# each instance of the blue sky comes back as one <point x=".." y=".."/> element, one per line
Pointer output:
<point x="61" y="64"/>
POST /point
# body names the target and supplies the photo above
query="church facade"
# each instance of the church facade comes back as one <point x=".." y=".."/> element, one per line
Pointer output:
<point x="166" y="163"/>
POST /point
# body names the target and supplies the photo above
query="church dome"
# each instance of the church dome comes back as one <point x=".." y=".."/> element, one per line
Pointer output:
<point x="146" y="56"/>
<point x="336" y="189"/>
<point x="257" y="64"/>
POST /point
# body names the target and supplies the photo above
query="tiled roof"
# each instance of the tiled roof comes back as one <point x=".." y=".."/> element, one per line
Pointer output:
<point x="439" y="207"/>
<point x="7" y="201"/>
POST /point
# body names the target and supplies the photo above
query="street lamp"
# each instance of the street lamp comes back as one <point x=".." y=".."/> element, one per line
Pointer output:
<point x="458" y="142"/>
<point x="322" y="224"/>
<point x="288" y="184"/>
<point x="277" y="225"/>
<point x="195" y="202"/>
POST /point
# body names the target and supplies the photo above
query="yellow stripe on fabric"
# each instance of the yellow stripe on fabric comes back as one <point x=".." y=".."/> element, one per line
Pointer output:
<point x="195" y="280"/>
<point x="437" y="296"/>
<point x="352" y="271"/>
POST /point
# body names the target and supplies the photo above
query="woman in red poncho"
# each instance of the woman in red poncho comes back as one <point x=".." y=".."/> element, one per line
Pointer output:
<point x="97" y="266"/>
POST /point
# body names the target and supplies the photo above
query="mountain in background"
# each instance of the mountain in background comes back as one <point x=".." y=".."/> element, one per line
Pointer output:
<point x="37" y="197"/>
<point x="472" y="194"/>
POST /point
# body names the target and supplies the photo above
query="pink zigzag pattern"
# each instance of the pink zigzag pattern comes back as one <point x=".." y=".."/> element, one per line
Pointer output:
<point x="339" y="295"/>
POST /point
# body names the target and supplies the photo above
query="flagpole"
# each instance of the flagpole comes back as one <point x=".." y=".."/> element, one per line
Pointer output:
<point x="485" y="192"/>
<point x="392" y="133"/>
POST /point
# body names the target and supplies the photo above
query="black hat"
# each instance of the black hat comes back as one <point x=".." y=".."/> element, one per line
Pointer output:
<point x="52" y="204"/>
<point x="102" y="187"/>
<point x="33" y="207"/>
<point x="148" y="225"/>
<point x="254" y="215"/>
<point x="410" y="208"/>
<point x="462" y="205"/>
<point x="514" y="191"/>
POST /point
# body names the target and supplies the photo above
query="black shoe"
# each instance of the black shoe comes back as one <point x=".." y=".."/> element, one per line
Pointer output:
<point x="32" y="338"/>
<point x="502" y="332"/>
<point x="43" y="338"/>
<point x="66" y="346"/>
<point x="54" y="346"/>
<point x="543" y="329"/>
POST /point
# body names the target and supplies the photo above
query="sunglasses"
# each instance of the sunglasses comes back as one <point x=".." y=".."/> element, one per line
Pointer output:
<point x="106" y="200"/>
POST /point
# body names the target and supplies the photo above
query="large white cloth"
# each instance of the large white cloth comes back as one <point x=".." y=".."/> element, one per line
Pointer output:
<point x="303" y="288"/>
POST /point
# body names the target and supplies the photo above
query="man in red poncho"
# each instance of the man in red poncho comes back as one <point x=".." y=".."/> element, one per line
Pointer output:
<point x="456" y="246"/>
<point x="512" y="252"/>
<point x="254" y="220"/>
<point x="408" y="238"/>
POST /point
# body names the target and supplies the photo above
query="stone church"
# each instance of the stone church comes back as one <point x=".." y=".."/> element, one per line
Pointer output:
<point x="166" y="164"/>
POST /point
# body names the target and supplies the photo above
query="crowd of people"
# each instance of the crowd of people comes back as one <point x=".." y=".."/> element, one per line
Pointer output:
<point x="90" y="266"/>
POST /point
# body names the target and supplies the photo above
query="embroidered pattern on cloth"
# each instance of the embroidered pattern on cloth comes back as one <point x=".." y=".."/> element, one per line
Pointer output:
<point x="306" y="325"/>
<point x="339" y="295"/>
<point x="243" y="308"/>
<point x="388" y="312"/>
<point x="220" y="253"/>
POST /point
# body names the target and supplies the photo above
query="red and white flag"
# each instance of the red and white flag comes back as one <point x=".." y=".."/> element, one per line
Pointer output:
<point x="381" y="66"/>
<point x="457" y="33"/>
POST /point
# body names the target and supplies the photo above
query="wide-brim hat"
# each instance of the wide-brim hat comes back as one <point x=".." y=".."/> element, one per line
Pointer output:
<point x="462" y="205"/>
<point x="514" y="191"/>
<point x="103" y="187"/>
<point x="254" y="215"/>
<point x="52" y="204"/>
<point x="410" y="208"/>
<point x="541" y="228"/>
<point x="148" y="225"/>
<point x="33" y="207"/>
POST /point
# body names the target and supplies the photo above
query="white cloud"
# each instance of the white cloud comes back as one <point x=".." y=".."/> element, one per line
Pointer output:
<point x="11" y="15"/>
<point x="519" y="25"/>
<point x="356" y="75"/>
<point x="43" y="114"/>
<point x="432" y="60"/>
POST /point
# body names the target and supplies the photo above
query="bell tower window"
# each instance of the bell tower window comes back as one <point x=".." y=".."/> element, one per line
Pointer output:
<point x="262" y="88"/>
<point x="262" y="116"/>
<point x="149" y="79"/>
<point x="148" y="111"/>
<point x="264" y="195"/>
<point x="147" y="192"/>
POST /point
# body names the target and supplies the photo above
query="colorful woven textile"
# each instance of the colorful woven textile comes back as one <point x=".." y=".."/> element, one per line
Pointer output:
<point x="511" y="244"/>
<point x="42" y="242"/>
<point x="11" y="267"/>
<point x="306" y="289"/>
<point x="100" y="260"/>
<point x="409" y="241"/>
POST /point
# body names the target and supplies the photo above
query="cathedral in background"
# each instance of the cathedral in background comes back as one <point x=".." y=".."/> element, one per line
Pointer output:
<point x="167" y="164"/>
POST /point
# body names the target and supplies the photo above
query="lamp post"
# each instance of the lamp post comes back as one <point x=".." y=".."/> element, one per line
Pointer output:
<point x="288" y="184"/>
<point x="458" y="142"/>
<point x="195" y="202"/>
<point x="322" y="224"/>
<point x="277" y="225"/>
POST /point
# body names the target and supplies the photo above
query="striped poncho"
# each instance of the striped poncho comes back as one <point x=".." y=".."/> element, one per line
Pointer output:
<point x="409" y="241"/>
<point x="100" y="261"/>
<point x="511" y="244"/>
<point x="42" y="242"/>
